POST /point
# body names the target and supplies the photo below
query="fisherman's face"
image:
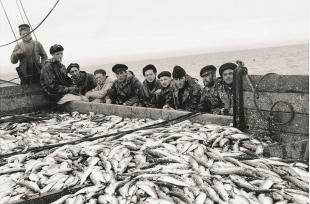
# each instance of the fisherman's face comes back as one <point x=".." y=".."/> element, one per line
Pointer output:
<point x="121" y="75"/>
<point x="208" y="78"/>
<point x="58" y="56"/>
<point x="99" y="78"/>
<point x="165" y="81"/>
<point x="150" y="76"/>
<point x="24" y="35"/>
<point x="180" y="82"/>
<point x="228" y="76"/>
<point x="129" y="74"/>
<point x="75" y="72"/>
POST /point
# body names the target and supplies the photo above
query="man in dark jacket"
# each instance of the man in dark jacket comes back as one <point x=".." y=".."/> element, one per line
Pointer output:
<point x="187" y="92"/>
<point x="224" y="87"/>
<point x="84" y="81"/>
<point x="209" y="101"/>
<point x="164" y="95"/>
<point x="125" y="90"/>
<point x="54" y="79"/>
<point x="31" y="56"/>
<point x="150" y="86"/>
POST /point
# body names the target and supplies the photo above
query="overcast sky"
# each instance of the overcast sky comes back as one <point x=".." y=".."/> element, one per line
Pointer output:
<point x="97" y="31"/>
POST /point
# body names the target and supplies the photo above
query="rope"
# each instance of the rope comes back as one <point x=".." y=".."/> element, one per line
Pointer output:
<point x="20" y="13"/>
<point x="20" y="1"/>
<point x="3" y="45"/>
<point x="7" y="18"/>
<point x="269" y="118"/>
<point x="8" y="81"/>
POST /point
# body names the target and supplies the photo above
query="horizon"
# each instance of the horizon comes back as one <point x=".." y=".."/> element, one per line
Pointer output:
<point x="128" y="61"/>
<point x="140" y="29"/>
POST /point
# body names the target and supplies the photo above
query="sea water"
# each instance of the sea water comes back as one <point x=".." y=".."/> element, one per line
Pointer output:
<point x="286" y="60"/>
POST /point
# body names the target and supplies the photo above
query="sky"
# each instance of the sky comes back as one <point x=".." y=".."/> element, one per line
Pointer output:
<point x="104" y="31"/>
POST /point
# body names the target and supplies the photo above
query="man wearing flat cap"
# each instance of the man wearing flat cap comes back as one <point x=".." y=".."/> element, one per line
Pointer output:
<point x="54" y="79"/>
<point x="126" y="90"/>
<point x="31" y="56"/>
<point x="150" y="85"/>
<point x="187" y="91"/>
<point x="164" y="95"/>
<point x="209" y="101"/>
<point x="84" y="81"/>
<point x="224" y="87"/>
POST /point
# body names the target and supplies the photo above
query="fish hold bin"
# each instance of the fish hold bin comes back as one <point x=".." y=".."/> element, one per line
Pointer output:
<point x="279" y="109"/>
<point x="284" y="97"/>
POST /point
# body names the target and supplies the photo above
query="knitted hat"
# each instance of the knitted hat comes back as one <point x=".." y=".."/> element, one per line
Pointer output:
<point x="178" y="72"/>
<point x="22" y="27"/>
<point x="149" y="67"/>
<point x="56" y="48"/>
<point x="71" y="66"/>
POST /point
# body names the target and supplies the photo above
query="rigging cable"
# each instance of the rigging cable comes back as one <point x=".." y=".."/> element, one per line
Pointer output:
<point x="7" y="18"/>
<point x="20" y="1"/>
<point x="20" y="13"/>
<point x="35" y="27"/>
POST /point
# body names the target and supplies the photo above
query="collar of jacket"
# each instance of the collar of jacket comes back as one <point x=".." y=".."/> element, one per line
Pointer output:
<point x="81" y="78"/>
<point x="28" y="41"/>
<point x="186" y="93"/>
<point x="156" y="84"/>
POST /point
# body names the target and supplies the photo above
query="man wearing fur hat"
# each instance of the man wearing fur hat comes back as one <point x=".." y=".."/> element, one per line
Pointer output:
<point x="31" y="56"/>
<point x="209" y="101"/>
<point x="224" y="87"/>
<point x="150" y="85"/>
<point x="54" y="79"/>
<point x="187" y="91"/>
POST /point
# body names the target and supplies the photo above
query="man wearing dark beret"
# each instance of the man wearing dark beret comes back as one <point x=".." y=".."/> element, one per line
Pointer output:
<point x="209" y="101"/>
<point x="224" y="87"/>
<point x="54" y="79"/>
<point x="126" y="90"/>
<point x="187" y="91"/>
<point x="150" y="85"/>
<point x="164" y="95"/>
<point x="31" y="56"/>
<point x="84" y="81"/>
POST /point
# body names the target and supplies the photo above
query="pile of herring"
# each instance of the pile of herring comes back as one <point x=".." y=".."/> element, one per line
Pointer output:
<point x="180" y="163"/>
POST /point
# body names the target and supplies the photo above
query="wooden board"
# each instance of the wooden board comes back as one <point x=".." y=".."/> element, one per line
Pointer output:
<point x="22" y="99"/>
<point x="280" y="83"/>
<point x="300" y="123"/>
<point x="293" y="150"/>
<point x="300" y="101"/>
<point x="141" y="112"/>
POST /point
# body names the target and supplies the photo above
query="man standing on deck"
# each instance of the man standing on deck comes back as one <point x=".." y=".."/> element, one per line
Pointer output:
<point x="54" y="79"/>
<point x="187" y="92"/>
<point x="150" y="86"/>
<point x="125" y="90"/>
<point x="31" y="56"/>
<point x="224" y="87"/>
<point x="164" y="95"/>
<point x="84" y="81"/>
<point x="104" y="83"/>
<point x="209" y="101"/>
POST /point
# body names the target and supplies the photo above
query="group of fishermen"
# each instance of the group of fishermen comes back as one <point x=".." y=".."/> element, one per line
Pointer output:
<point x="176" y="90"/>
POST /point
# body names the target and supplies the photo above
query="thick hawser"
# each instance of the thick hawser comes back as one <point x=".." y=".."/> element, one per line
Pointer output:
<point x="182" y="163"/>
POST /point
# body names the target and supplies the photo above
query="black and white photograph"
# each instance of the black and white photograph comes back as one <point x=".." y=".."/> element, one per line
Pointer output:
<point x="154" y="102"/>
